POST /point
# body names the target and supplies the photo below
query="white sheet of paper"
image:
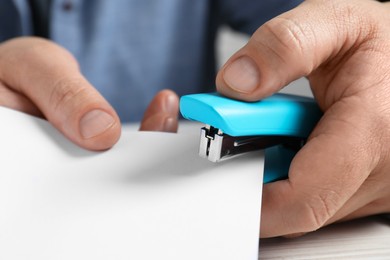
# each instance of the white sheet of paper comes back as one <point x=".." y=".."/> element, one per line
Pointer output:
<point x="150" y="197"/>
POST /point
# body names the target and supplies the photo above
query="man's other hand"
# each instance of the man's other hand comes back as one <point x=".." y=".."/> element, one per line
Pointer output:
<point x="343" y="171"/>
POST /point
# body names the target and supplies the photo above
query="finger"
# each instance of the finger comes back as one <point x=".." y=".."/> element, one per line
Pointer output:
<point x="370" y="209"/>
<point x="49" y="76"/>
<point x="370" y="199"/>
<point x="296" y="235"/>
<point x="162" y="113"/>
<point x="293" y="45"/>
<point x="16" y="101"/>
<point x="325" y="173"/>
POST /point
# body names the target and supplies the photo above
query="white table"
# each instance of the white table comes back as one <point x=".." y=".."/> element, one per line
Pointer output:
<point x="367" y="238"/>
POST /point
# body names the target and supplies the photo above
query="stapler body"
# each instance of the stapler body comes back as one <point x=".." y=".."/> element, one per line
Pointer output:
<point x="281" y="123"/>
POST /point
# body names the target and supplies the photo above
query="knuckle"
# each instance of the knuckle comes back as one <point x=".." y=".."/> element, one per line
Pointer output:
<point x="319" y="210"/>
<point x="66" y="92"/>
<point x="287" y="32"/>
<point x="33" y="49"/>
<point x="290" y="40"/>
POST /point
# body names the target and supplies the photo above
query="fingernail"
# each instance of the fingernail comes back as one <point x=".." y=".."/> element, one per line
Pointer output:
<point x="242" y="75"/>
<point x="170" y="125"/>
<point x="170" y="105"/>
<point x="95" y="123"/>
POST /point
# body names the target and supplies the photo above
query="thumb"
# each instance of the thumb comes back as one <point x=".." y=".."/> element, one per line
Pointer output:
<point x="290" y="46"/>
<point x="49" y="77"/>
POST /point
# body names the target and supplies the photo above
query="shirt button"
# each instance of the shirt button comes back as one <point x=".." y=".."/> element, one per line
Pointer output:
<point x="67" y="6"/>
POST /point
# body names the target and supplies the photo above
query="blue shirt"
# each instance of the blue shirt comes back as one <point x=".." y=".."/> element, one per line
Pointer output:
<point x="131" y="49"/>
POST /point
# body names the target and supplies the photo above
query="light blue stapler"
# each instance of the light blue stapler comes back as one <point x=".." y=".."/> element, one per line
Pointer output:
<point x="280" y="124"/>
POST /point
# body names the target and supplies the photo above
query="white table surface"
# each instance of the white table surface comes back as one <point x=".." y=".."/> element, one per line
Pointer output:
<point x="367" y="238"/>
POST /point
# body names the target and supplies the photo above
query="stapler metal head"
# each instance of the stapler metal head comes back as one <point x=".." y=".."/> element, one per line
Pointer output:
<point x="217" y="146"/>
<point x="280" y="123"/>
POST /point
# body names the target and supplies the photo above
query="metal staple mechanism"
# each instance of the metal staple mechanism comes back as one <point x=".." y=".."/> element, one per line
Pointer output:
<point x="216" y="146"/>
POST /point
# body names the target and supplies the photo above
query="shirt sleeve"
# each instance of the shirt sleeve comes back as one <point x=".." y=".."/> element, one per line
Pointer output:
<point x="10" y="23"/>
<point x="248" y="15"/>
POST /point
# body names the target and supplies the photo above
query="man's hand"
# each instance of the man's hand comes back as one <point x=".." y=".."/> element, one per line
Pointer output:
<point x="343" y="171"/>
<point x="41" y="78"/>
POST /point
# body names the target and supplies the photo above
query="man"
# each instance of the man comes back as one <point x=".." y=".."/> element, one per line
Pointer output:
<point x="342" y="46"/>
